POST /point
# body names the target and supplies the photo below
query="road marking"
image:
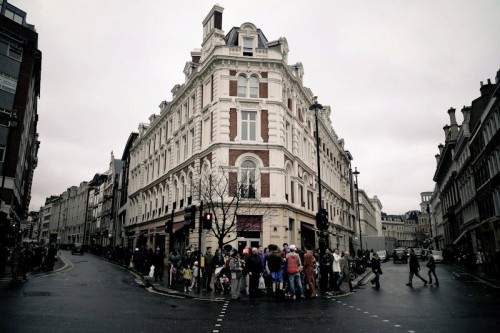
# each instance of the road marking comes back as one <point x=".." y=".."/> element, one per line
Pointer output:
<point x="397" y="325"/>
<point x="217" y="325"/>
<point x="358" y="309"/>
<point x="218" y="319"/>
<point x="411" y="332"/>
<point x="215" y="331"/>
<point x="374" y="316"/>
<point x="366" y="312"/>
<point x="385" y="320"/>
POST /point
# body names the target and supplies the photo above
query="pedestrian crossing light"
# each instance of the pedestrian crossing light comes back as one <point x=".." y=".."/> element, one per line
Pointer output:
<point x="189" y="216"/>
<point x="207" y="221"/>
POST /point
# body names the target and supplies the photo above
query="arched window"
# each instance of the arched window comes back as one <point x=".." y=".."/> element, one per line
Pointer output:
<point x="254" y="86"/>
<point x="248" y="179"/>
<point x="242" y="86"/>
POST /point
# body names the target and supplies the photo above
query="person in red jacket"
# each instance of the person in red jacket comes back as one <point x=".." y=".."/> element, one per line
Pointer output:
<point x="294" y="266"/>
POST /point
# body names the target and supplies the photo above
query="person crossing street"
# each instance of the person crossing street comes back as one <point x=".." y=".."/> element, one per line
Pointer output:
<point x="414" y="269"/>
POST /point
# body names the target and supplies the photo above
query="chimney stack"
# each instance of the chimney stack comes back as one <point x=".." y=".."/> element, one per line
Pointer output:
<point x="446" y="133"/>
<point x="440" y="146"/>
<point x="465" y="124"/>
<point x="195" y="56"/>
<point x="497" y="78"/>
<point x="437" y="156"/>
<point x="453" y="119"/>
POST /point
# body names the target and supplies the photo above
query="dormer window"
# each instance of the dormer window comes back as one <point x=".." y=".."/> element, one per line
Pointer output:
<point x="247" y="46"/>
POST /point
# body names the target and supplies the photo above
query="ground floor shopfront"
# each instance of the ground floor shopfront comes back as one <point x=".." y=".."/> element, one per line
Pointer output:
<point x="483" y="237"/>
<point x="259" y="227"/>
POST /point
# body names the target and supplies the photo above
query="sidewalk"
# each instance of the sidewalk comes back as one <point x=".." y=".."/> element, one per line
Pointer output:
<point x="492" y="281"/>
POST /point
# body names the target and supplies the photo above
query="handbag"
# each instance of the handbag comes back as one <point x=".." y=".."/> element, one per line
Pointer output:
<point x="262" y="283"/>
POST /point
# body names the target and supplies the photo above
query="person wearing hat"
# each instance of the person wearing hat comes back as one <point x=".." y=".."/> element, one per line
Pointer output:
<point x="294" y="267"/>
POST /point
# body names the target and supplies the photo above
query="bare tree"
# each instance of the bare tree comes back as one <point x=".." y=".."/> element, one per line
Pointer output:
<point x="226" y="195"/>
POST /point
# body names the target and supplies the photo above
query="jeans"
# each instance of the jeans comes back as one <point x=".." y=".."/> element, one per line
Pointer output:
<point x="416" y="274"/>
<point x="433" y="271"/>
<point x="235" y="286"/>
<point x="376" y="280"/>
<point x="294" y="279"/>
<point x="336" y="281"/>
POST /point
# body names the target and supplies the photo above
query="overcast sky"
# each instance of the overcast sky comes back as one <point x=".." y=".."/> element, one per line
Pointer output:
<point x="389" y="69"/>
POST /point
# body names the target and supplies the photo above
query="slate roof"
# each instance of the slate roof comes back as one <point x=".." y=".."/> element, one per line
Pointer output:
<point x="232" y="38"/>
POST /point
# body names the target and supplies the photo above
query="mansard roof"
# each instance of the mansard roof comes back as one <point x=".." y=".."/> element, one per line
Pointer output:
<point x="233" y="34"/>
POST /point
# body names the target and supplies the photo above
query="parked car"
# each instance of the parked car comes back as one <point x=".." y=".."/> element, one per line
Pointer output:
<point x="77" y="248"/>
<point x="400" y="255"/>
<point x="382" y="255"/>
<point x="418" y="252"/>
<point x="437" y="255"/>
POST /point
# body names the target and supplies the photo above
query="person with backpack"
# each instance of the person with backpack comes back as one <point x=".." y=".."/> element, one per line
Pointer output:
<point x="431" y="265"/>
<point x="294" y="267"/>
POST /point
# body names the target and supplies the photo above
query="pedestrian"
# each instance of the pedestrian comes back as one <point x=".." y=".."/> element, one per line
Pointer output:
<point x="431" y="265"/>
<point x="294" y="266"/>
<point x="255" y="271"/>
<point x="377" y="270"/>
<point x="310" y="273"/>
<point x="196" y="272"/>
<point x="345" y="269"/>
<point x="158" y="262"/>
<point x="274" y="265"/>
<point x="336" y="270"/>
<point x="235" y="266"/>
<point x="187" y="277"/>
<point x="479" y="261"/>
<point x="208" y="269"/>
<point x="174" y="260"/>
<point x="414" y="269"/>
<point x="325" y="271"/>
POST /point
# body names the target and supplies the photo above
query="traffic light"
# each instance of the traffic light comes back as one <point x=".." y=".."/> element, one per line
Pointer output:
<point x="189" y="216"/>
<point x="207" y="221"/>
<point x="322" y="219"/>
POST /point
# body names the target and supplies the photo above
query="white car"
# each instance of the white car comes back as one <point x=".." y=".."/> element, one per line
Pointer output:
<point x="437" y="255"/>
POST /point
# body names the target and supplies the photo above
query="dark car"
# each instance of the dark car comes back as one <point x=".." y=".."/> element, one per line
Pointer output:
<point x="400" y="255"/>
<point x="77" y="248"/>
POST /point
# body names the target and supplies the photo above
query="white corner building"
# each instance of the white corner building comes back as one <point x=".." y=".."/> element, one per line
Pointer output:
<point x="242" y="110"/>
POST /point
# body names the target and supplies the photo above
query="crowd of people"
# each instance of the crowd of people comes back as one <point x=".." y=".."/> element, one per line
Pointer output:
<point x="286" y="272"/>
<point x="25" y="258"/>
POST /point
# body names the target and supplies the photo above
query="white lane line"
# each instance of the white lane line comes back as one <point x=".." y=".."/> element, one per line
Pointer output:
<point x="215" y="331"/>
<point x="411" y="331"/>
<point x="385" y="320"/>
<point x="397" y="325"/>
<point x="217" y="325"/>
<point x="374" y="316"/>
<point x="366" y="312"/>
<point x="358" y="309"/>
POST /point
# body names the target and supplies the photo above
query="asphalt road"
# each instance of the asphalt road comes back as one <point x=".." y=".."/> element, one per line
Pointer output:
<point x="96" y="296"/>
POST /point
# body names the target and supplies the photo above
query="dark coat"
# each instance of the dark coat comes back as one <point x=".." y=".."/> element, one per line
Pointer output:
<point x="254" y="265"/>
<point x="414" y="265"/>
<point x="376" y="266"/>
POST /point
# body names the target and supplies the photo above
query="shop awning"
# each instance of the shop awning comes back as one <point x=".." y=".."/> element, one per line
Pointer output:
<point x="307" y="226"/>
<point x="178" y="226"/>
<point x="249" y="223"/>
<point x="469" y="229"/>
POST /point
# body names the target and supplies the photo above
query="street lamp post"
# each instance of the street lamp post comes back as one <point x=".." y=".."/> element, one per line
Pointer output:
<point x="321" y="216"/>
<point x="356" y="173"/>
